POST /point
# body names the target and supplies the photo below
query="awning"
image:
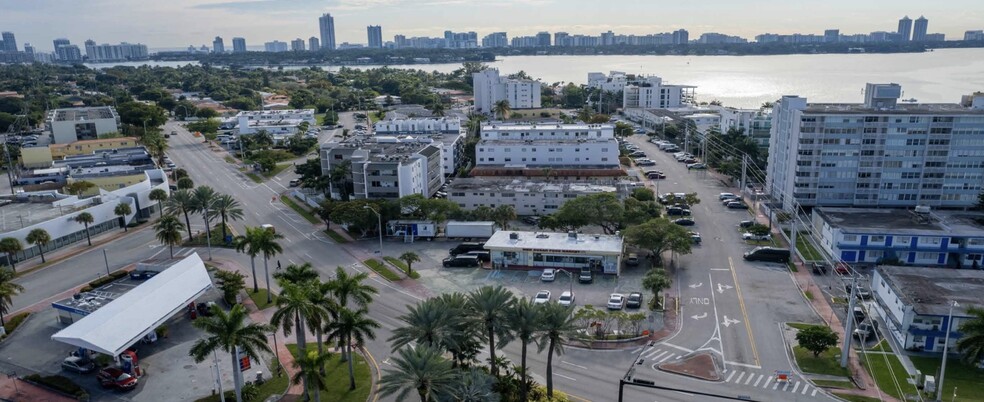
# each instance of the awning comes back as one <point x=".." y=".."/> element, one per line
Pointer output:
<point x="121" y="323"/>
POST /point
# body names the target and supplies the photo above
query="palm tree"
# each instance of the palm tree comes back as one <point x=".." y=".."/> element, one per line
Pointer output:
<point x="503" y="214"/>
<point x="655" y="281"/>
<point x="228" y="331"/>
<point x="502" y="109"/>
<point x="321" y="296"/>
<point x="352" y="325"/>
<point x="168" y="230"/>
<point x="185" y="183"/>
<point x="463" y="341"/>
<point x="474" y="385"/>
<point x="8" y="289"/>
<point x="294" y="310"/>
<point x="428" y="323"/>
<point x="122" y="210"/>
<point x="347" y="287"/>
<point x="85" y="218"/>
<point x="11" y="246"/>
<point x="297" y="274"/>
<point x="246" y="244"/>
<point x="474" y="123"/>
<point x="971" y="344"/>
<point x="409" y="258"/>
<point x="437" y="108"/>
<point x="524" y="322"/>
<point x="41" y="238"/>
<point x="157" y="146"/>
<point x="308" y="370"/>
<point x="338" y="175"/>
<point x="181" y="201"/>
<point x="266" y="243"/>
<point x="160" y="196"/>
<point x="557" y="327"/>
<point x="228" y="209"/>
<point x="420" y="369"/>
<point x="490" y="304"/>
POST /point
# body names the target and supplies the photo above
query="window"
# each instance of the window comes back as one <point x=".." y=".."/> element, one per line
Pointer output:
<point x="929" y="240"/>
<point x="850" y="238"/>
<point x="927" y="256"/>
<point x="902" y="240"/>
<point x="877" y="239"/>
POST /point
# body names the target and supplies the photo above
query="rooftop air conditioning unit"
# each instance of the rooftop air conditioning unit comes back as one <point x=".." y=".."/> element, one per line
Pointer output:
<point x="514" y="236"/>
<point x="923" y="209"/>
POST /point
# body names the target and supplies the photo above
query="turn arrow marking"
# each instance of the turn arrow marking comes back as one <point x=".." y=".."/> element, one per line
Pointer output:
<point x="697" y="317"/>
<point x="696" y="285"/>
<point x="722" y="287"/>
<point x="728" y="321"/>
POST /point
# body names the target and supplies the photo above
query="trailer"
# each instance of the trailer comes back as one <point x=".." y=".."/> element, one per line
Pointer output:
<point x="469" y="230"/>
<point x="411" y="230"/>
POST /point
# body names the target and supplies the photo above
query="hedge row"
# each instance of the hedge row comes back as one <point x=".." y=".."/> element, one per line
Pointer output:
<point x="98" y="283"/>
<point x="60" y="384"/>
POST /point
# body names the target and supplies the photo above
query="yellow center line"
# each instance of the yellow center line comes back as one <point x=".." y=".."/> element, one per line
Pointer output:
<point x="375" y="394"/>
<point x="744" y="313"/>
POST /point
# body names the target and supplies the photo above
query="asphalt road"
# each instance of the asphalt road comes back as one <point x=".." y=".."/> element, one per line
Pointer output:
<point x="738" y="305"/>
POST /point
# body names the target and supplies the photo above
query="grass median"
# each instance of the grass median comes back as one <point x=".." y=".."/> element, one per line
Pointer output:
<point x="337" y="377"/>
<point x="336" y="237"/>
<point x="402" y="266"/>
<point x="302" y="211"/>
<point x="260" y="298"/>
<point x="889" y="380"/>
<point x="827" y="363"/>
<point x="967" y="380"/>
<point x="274" y="386"/>
<point x="382" y="270"/>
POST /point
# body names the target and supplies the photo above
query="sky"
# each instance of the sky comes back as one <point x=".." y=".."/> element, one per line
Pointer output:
<point x="179" y="23"/>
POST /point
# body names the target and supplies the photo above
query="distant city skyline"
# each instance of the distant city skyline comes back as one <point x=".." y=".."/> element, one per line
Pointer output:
<point x="179" y="23"/>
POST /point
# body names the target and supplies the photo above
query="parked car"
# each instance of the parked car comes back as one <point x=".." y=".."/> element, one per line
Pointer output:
<point x="295" y="182"/>
<point x="632" y="259"/>
<point x="696" y="166"/>
<point x="466" y="247"/>
<point x="585" y="276"/>
<point x="112" y="377"/>
<point x="750" y="236"/>
<point x="531" y="220"/>
<point x="78" y="365"/>
<point x="859" y="314"/>
<point x="638" y="154"/>
<point x="676" y="211"/>
<point x="842" y="268"/>
<point x="861" y="293"/>
<point x="548" y="275"/>
<point x="645" y="162"/>
<point x="746" y="224"/>
<point x="695" y="237"/>
<point x="461" y="261"/>
<point x="725" y="196"/>
<point x="737" y="205"/>
<point x="864" y="331"/>
<point x="566" y="299"/>
<point x="616" y="301"/>
<point x="141" y="274"/>
<point x="541" y="297"/>
<point x="684" y="222"/>
<point x="634" y="300"/>
<point x="483" y="256"/>
<point x="819" y="268"/>
<point x="655" y="175"/>
<point x="771" y="254"/>
<point x="689" y="161"/>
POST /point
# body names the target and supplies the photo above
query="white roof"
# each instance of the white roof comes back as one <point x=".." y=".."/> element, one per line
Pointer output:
<point x="555" y="242"/>
<point x="121" y="323"/>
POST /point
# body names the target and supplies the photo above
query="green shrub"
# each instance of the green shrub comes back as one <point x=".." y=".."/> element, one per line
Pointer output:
<point x="381" y="269"/>
<point x="60" y="384"/>
<point x="14" y="321"/>
<point x="105" y="280"/>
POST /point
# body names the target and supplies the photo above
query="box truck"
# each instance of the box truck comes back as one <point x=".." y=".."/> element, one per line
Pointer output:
<point x="469" y="230"/>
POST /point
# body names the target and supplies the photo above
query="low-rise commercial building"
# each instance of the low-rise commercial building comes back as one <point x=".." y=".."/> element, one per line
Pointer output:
<point x="875" y="236"/>
<point x="446" y="130"/>
<point x="282" y="122"/>
<point x="571" y="251"/>
<point x="525" y="197"/>
<point x="547" y="145"/>
<point x="55" y="213"/>
<point x="385" y="167"/>
<point x="915" y="303"/>
<point x="43" y="157"/>
<point x="84" y="123"/>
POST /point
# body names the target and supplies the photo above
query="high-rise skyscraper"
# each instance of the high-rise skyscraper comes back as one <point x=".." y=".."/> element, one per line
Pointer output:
<point x="327" y="27"/>
<point x="375" y="36"/>
<point x="238" y="45"/>
<point x="543" y="39"/>
<point x="9" y="42"/>
<point x="297" y="45"/>
<point x="29" y="50"/>
<point x="919" y="30"/>
<point x="218" y="45"/>
<point x="831" y="35"/>
<point x="313" y="44"/>
<point x="905" y="29"/>
<point x="681" y="37"/>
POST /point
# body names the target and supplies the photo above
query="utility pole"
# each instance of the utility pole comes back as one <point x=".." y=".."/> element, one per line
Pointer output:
<point x="850" y="320"/>
<point x="946" y="347"/>
<point x="744" y="168"/>
<point x="218" y="376"/>
<point x="106" y="259"/>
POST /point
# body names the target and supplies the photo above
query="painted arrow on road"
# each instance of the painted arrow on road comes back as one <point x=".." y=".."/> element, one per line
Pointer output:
<point x="723" y="287"/>
<point x="697" y="317"/>
<point x="696" y="285"/>
<point x="728" y="321"/>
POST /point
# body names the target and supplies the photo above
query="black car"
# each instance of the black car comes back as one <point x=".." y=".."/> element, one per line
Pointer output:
<point x="684" y="222"/>
<point x="634" y="300"/>
<point x="819" y="268"/>
<point x="141" y="274"/>
<point x="737" y="205"/>
<point x="674" y="211"/>
<point x="531" y="220"/>
<point x="745" y="224"/>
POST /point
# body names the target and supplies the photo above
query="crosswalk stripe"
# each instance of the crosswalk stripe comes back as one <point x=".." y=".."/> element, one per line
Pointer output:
<point x="740" y="376"/>
<point x="679" y="357"/>
<point x="768" y="379"/>
<point x="761" y="377"/>
<point x="805" y="387"/>
<point x="795" y="387"/>
<point x="814" y="393"/>
<point x="636" y="350"/>
<point x="749" y="380"/>
<point x="651" y="353"/>
<point x="776" y="385"/>
<point x="667" y="358"/>
<point x="730" y="375"/>
<point x="660" y="354"/>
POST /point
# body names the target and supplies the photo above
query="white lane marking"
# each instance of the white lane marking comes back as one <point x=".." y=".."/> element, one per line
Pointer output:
<point x="775" y="385"/>
<point x="667" y="358"/>
<point x="805" y="387"/>
<point x="761" y="377"/>
<point x="660" y="355"/>
<point x="740" y="376"/>
<point x="572" y="364"/>
<point x="751" y="366"/>
<point x="795" y="387"/>
<point x="564" y="376"/>
<point x="677" y="347"/>
<point x="814" y="393"/>
<point x="768" y="379"/>
<point x="730" y="375"/>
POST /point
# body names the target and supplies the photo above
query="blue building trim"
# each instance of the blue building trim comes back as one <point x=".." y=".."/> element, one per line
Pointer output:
<point x="849" y="256"/>
<point x="944" y="243"/>
<point x="864" y="241"/>
<point x="911" y="258"/>
<point x="888" y="241"/>
<point x="941" y="259"/>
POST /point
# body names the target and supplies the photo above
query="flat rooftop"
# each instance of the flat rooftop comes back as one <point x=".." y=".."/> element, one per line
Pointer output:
<point x="84" y="113"/>
<point x="554" y="242"/>
<point x="108" y="171"/>
<point x="904" y="221"/>
<point x="528" y="127"/>
<point x="524" y="186"/>
<point x="538" y="141"/>
<point x="930" y="290"/>
<point x="901" y="108"/>
<point x="17" y="215"/>
<point x="284" y="112"/>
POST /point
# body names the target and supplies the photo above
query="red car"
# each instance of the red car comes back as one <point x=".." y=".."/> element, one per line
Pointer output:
<point x="843" y="269"/>
<point x="115" y="378"/>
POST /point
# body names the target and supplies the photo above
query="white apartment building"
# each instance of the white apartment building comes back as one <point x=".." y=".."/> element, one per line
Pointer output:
<point x="387" y="167"/>
<point x="526" y="198"/>
<point x="446" y="130"/>
<point x="83" y="123"/>
<point x="649" y="92"/>
<point x="880" y="153"/>
<point x="120" y="52"/>
<point x="548" y="145"/>
<point x="277" y="122"/>
<point x="490" y="88"/>
<point x="613" y="82"/>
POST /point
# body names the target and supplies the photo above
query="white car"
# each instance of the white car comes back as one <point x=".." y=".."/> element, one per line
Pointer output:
<point x="541" y="297"/>
<point x="548" y="275"/>
<point x="751" y="236"/>
<point x="616" y="301"/>
<point x="566" y="299"/>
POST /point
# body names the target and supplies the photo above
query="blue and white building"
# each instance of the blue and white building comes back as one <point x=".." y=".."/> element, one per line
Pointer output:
<point x="911" y="237"/>
<point x="915" y="303"/>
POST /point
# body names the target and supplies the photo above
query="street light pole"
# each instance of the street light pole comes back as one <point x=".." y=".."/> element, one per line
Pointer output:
<point x="380" y="217"/>
<point x="218" y="376"/>
<point x="946" y="346"/>
<point x="208" y="235"/>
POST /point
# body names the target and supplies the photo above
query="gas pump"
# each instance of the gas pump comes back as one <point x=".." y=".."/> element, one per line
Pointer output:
<point x="129" y="363"/>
